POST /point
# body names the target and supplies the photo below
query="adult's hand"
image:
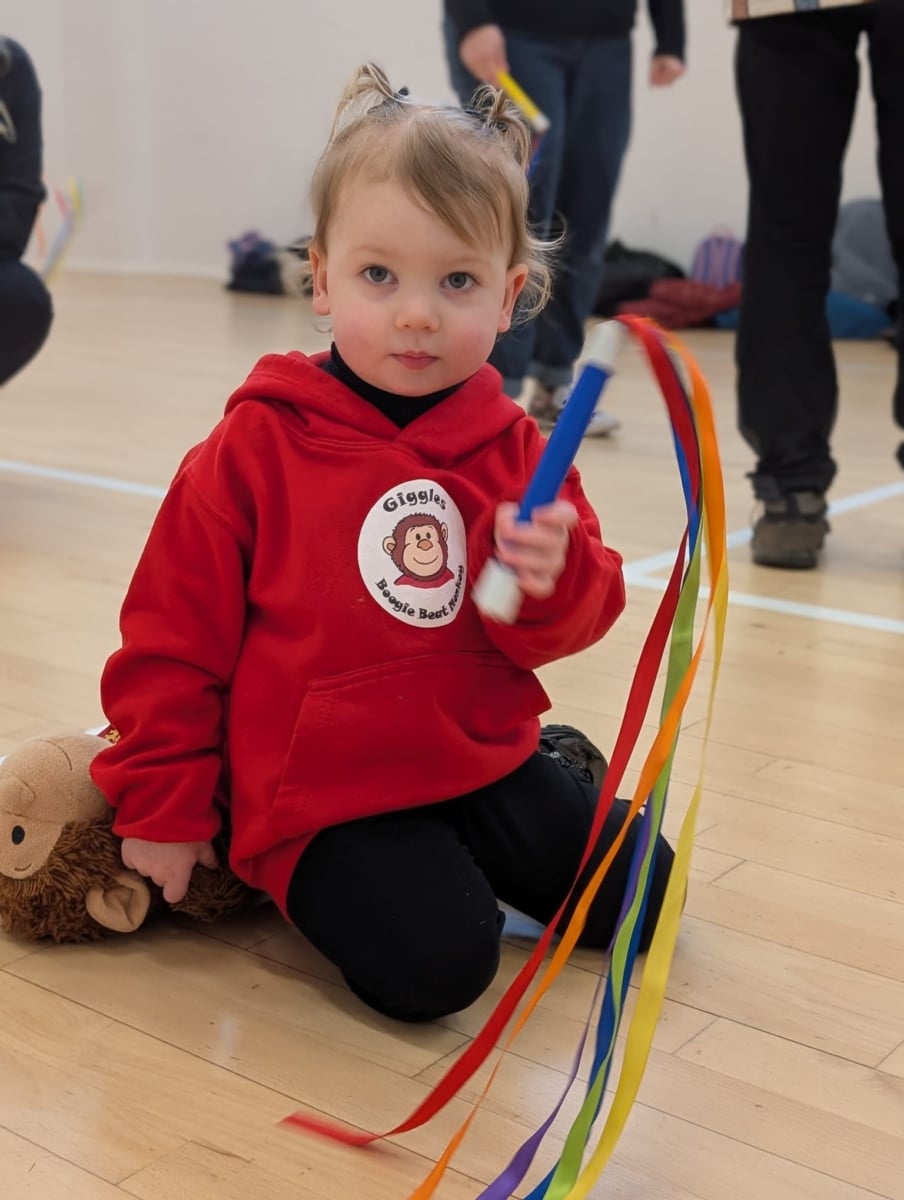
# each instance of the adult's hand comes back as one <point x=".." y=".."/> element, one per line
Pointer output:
<point x="482" y="51"/>
<point x="665" y="69"/>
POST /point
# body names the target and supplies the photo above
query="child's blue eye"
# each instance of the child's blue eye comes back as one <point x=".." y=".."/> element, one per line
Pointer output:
<point x="376" y="274"/>
<point x="460" y="281"/>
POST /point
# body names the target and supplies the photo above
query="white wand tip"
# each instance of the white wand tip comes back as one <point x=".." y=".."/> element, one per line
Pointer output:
<point x="496" y="593"/>
<point x="603" y="344"/>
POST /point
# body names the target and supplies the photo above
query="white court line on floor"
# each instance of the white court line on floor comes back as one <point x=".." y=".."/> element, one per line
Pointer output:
<point x="740" y="537"/>
<point x="816" y="612"/>
<point x="101" y="482"/>
<point x="638" y="573"/>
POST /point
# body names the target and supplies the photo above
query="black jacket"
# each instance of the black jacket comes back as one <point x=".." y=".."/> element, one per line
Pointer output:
<point x="573" y="18"/>
<point x="21" y="172"/>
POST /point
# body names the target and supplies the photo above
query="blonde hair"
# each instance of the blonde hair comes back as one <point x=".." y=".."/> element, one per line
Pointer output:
<point x="466" y="166"/>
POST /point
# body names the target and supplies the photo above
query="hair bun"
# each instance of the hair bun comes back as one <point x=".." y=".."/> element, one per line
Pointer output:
<point x="368" y="88"/>
<point x="496" y="112"/>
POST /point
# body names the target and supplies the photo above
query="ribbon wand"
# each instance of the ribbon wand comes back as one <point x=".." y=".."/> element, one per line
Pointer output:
<point x="538" y="121"/>
<point x="496" y="593"/>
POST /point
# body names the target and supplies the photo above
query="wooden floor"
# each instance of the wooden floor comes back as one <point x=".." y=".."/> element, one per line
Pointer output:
<point x="159" y="1066"/>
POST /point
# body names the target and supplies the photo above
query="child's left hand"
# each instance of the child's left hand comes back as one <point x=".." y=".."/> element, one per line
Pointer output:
<point x="535" y="550"/>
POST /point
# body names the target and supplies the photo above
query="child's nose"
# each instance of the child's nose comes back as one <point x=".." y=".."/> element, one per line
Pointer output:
<point x="416" y="311"/>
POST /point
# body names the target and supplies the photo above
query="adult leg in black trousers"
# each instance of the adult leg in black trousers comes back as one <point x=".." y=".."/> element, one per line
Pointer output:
<point x="406" y="904"/>
<point x="25" y="316"/>
<point x="886" y="46"/>
<point x="797" y="79"/>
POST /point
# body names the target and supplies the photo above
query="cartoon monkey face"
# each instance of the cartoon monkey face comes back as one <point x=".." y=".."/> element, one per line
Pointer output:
<point x="419" y="547"/>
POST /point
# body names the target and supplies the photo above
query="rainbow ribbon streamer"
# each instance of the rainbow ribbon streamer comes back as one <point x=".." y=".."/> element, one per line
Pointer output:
<point x="690" y="412"/>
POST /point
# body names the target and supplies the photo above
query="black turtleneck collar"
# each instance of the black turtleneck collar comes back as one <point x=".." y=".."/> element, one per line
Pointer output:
<point x="401" y="410"/>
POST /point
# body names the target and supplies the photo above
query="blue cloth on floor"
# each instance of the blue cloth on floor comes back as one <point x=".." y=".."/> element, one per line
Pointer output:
<point x="848" y="318"/>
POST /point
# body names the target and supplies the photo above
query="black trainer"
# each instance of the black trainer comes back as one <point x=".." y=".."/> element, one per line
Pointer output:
<point x="575" y="750"/>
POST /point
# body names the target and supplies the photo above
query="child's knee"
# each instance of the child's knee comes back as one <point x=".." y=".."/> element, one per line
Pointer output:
<point x="444" y="977"/>
<point x="607" y="905"/>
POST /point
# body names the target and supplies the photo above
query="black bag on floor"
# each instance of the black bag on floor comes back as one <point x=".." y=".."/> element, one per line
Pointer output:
<point x="629" y="275"/>
<point x="254" y="266"/>
<point x="258" y="265"/>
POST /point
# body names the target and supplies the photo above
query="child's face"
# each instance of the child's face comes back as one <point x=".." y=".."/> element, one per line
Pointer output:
<point x="414" y="308"/>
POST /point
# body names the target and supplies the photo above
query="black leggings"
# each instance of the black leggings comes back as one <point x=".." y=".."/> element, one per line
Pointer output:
<point x="25" y="316"/>
<point x="406" y="904"/>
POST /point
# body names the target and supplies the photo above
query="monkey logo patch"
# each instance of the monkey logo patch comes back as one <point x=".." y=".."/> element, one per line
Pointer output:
<point x="412" y="553"/>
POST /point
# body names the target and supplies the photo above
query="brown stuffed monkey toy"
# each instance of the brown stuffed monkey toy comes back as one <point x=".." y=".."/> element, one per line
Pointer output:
<point x="61" y="874"/>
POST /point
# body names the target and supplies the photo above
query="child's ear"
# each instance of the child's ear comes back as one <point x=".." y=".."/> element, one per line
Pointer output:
<point x="514" y="282"/>
<point x="321" y="299"/>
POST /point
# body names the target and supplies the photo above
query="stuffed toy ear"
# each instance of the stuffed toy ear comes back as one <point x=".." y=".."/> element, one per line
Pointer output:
<point x="121" y="907"/>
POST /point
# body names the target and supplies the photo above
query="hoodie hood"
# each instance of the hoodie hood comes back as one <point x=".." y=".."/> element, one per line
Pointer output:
<point x="315" y="404"/>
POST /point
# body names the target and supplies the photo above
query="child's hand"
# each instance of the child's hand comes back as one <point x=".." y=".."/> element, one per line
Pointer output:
<point x="535" y="550"/>
<point x="169" y="864"/>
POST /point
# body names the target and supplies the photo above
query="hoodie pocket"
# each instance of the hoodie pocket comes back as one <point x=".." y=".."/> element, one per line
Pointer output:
<point x="413" y="731"/>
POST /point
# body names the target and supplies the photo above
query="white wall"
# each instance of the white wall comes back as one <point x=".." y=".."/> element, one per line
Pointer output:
<point x="189" y="121"/>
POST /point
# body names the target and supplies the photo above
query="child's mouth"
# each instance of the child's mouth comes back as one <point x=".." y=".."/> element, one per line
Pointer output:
<point x="415" y="362"/>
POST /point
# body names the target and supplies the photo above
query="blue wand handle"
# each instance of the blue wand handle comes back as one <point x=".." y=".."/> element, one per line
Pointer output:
<point x="496" y="592"/>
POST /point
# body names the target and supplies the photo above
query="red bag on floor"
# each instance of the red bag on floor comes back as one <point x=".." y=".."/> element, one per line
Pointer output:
<point x="684" y="303"/>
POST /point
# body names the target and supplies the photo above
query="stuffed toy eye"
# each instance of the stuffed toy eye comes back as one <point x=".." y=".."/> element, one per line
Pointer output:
<point x="18" y="835"/>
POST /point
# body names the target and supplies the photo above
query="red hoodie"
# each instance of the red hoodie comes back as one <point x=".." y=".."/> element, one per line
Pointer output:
<point x="300" y="629"/>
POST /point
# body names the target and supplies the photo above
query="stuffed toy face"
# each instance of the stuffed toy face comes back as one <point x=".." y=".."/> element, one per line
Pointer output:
<point x="41" y="792"/>
<point x="61" y="872"/>
<point x="25" y="843"/>
<point x="61" y="875"/>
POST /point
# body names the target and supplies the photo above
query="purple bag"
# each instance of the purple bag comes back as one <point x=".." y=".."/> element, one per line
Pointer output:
<point x="719" y="259"/>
